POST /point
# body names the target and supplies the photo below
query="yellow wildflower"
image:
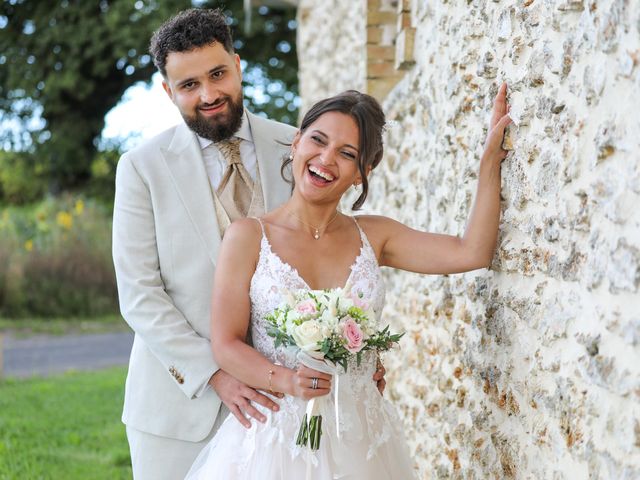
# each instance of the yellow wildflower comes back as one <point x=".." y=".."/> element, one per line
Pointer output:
<point x="28" y="245"/>
<point x="79" y="207"/>
<point x="65" y="220"/>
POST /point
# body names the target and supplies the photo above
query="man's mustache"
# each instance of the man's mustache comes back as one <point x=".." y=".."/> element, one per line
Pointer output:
<point x="217" y="103"/>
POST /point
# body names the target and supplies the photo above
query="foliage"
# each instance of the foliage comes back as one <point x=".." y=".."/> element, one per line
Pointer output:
<point x="271" y="74"/>
<point x="66" y="426"/>
<point x="64" y="64"/>
<point x="70" y="61"/>
<point x="55" y="259"/>
<point x="103" y="176"/>
<point x="21" y="178"/>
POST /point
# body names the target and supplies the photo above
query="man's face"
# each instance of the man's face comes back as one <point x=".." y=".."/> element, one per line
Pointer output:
<point x="206" y="86"/>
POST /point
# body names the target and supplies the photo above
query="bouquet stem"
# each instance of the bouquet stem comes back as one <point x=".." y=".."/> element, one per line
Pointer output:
<point x="310" y="432"/>
<point x="303" y="432"/>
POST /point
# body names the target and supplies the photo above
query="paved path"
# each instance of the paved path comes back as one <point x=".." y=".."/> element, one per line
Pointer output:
<point x="50" y="354"/>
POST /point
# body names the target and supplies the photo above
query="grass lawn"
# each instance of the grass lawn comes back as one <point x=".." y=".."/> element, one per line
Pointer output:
<point x="24" y="327"/>
<point x="64" y="427"/>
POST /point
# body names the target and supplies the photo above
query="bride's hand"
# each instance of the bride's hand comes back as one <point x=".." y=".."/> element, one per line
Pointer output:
<point x="303" y="383"/>
<point x="499" y="121"/>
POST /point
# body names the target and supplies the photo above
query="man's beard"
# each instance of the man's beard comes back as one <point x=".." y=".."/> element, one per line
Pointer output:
<point x="221" y="126"/>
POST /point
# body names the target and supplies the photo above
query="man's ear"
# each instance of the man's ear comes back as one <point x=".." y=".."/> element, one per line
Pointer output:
<point x="236" y="60"/>
<point x="167" y="89"/>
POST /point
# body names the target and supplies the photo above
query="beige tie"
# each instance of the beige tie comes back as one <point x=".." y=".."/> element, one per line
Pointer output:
<point x="236" y="187"/>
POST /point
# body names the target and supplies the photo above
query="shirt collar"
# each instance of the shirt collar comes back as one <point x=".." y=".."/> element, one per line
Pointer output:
<point x="243" y="133"/>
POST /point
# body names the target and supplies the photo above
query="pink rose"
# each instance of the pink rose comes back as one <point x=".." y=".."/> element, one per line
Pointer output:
<point x="352" y="333"/>
<point x="306" y="307"/>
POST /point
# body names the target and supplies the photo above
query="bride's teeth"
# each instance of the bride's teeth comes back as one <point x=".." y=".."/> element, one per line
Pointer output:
<point x="326" y="176"/>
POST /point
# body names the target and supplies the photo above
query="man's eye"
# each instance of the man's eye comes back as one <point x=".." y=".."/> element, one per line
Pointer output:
<point x="188" y="85"/>
<point x="217" y="74"/>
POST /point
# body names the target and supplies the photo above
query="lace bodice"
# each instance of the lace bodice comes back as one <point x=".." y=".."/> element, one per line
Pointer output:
<point x="273" y="276"/>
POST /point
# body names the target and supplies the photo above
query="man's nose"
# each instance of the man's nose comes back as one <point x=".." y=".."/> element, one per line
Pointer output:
<point x="208" y="93"/>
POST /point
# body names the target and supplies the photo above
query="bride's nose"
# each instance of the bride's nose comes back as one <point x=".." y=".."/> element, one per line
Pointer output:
<point x="326" y="157"/>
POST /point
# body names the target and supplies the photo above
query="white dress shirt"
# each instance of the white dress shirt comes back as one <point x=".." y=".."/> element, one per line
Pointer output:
<point x="216" y="165"/>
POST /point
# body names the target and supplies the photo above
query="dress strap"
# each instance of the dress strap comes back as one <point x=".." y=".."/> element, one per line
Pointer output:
<point x="363" y="236"/>
<point x="264" y="235"/>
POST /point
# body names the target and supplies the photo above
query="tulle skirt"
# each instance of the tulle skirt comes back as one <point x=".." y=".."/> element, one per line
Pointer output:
<point x="371" y="444"/>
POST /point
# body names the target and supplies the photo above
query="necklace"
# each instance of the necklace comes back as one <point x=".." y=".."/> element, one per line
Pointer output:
<point x="316" y="230"/>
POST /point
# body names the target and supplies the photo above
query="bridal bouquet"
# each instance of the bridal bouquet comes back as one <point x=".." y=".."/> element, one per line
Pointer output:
<point x="331" y="326"/>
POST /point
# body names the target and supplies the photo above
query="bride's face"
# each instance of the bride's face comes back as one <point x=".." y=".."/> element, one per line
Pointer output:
<point x="325" y="157"/>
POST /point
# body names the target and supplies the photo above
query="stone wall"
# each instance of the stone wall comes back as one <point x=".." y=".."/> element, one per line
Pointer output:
<point x="330" y="34"/>
<point x="530" y="369"/>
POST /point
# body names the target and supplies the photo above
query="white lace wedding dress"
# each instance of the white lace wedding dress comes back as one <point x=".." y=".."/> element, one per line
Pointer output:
<point x="371" y="444"/>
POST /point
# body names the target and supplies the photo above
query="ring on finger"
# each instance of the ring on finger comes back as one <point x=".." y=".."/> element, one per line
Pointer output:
<point x="314" y="383"/>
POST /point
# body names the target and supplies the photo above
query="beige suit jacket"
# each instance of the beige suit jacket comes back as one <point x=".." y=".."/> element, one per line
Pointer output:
<point x="165" y="243"/>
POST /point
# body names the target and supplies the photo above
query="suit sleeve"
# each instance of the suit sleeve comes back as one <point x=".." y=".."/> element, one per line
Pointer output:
<point x="144" y="302"/>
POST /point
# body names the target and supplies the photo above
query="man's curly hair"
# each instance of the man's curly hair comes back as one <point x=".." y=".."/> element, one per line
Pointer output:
<point x="188" y="30"/>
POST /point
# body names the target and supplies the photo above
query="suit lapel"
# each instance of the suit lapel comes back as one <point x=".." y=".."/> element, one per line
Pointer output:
<point x="183" y="159"/>
<point x="269" y="156"/>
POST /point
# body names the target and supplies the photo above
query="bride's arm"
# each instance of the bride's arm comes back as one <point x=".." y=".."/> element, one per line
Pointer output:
<point x="422" y="252"/>
<point x="230" y="317"/>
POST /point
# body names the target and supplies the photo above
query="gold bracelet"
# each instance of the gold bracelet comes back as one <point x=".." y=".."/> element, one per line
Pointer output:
<point x="271" y="372"/>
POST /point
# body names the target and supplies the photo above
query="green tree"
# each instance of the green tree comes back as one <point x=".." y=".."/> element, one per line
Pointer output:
<point x="64" y="64"/>
<point x="69" y="62"/>
<point x="269" y="49"/>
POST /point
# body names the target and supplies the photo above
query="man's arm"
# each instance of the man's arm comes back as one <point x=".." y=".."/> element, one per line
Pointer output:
<point x="151" y="313"/>
<point x="144" y="303"/>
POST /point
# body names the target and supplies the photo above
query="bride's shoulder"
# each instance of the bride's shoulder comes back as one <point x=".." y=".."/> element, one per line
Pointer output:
<point x="245" y="226"/>
<point x="373" y="222"/>
<point x="376" y="228"/>
<point x="244" y="233"/>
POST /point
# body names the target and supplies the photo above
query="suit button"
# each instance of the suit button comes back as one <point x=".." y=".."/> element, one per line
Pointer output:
<point x="180" y="380"/>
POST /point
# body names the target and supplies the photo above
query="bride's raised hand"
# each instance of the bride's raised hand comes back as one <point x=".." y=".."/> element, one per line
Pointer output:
<point x="499" y="120"/>
<point x="308" y="383"/>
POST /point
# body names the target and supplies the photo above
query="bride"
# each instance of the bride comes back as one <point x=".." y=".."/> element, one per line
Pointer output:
<point x="308" y="244"/>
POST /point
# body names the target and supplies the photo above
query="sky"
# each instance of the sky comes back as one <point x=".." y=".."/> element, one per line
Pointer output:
<point x="142" y="113"/>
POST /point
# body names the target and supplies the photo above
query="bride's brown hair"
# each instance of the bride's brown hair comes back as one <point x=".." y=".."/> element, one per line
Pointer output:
<point x="367" y="113"/>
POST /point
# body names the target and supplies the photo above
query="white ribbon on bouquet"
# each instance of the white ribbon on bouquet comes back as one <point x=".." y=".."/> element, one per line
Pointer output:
<point x="342" y="401"/>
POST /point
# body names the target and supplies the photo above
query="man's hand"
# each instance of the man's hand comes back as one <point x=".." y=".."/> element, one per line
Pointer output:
<point x="378" y="377"/>
<point x="238" y="397"/>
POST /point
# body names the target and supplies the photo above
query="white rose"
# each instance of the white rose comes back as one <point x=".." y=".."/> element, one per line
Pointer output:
<point x="307" y="337"/>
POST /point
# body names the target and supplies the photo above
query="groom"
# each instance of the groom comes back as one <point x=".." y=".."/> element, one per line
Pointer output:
<point x="175" y="195"/>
